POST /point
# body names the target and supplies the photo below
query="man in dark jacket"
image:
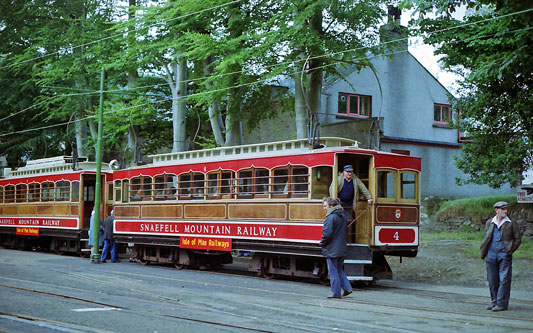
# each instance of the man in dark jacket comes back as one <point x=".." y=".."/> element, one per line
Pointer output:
<point x="109" y="240"/>
<point x="334" y="247"/>
<point x="502" y="238"/>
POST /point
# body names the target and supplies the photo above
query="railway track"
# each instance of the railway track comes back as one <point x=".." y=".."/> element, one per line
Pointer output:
<point x="368" y="300"/>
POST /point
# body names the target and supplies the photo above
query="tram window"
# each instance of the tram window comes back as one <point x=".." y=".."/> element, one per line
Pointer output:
<point x="141" y="188"/>
<point x="47" y="191"/>
<point x="22" y="193"/>
<point x="118" y="190"/>
<point x="1" y="194"/>
<point x="225" y="182"/>
<point x="262" y="177"/>
<point x="321" y="180"/>
<point x="386" y="184"/>
<point x="165" y="187"/>
<point x="184" y="186"/>
<point x="34" y="192"/>
<point x="300" y="181"/>
<point x="75" y="191"/>
<point x="408" y="185"/>
<point x="198" y="185"/>
<point x="245" y="183"/>
<point x="125" y="190"/>
<point x="212" y="184"/>
<point x="9" y="194"/>
<point x="191" y="185"/>
<point x="62" y="191"/>
<point x="281" y="181"/>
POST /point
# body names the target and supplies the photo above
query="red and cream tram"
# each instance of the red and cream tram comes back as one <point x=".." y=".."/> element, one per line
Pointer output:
<point x="193" y="208"/>
<point x="48" y="203"/>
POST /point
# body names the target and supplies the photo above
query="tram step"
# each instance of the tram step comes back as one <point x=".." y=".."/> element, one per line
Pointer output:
<point x="360" y="278"/>
<point x="85" y="250"/>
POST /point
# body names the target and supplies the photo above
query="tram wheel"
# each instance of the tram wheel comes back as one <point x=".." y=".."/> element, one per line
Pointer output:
<point x="144" y="262"/>
<point x="268" y="276"/>
<point x="179" y="266"/>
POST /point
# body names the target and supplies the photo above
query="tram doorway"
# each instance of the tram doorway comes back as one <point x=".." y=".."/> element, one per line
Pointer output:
<point x="360" y="225"/>
<point x="88" y="195"/>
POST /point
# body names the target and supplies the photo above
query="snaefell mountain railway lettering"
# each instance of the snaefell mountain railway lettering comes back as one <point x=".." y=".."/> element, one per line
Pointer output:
<point x="207" y="229"/>
<point x="256" y="231"/>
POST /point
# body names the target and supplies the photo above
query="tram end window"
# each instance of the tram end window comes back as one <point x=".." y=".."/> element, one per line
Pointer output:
<point x="408" y="185"/>
<point x="118" y="190"/>
<point x="75" y="191"/>
<point x="386" y="184"/>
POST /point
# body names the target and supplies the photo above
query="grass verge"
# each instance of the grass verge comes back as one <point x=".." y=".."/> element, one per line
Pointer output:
<point x="472" y="240"/>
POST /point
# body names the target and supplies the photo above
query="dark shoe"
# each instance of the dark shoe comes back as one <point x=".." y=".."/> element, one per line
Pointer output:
<point x="498" y="308"/>
<point x="334" y="296"/>
<point x="490" y="307"/>
<point x="346" y="293"/>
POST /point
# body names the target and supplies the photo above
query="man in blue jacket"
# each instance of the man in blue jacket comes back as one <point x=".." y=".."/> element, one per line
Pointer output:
<point x="334" y="247"/>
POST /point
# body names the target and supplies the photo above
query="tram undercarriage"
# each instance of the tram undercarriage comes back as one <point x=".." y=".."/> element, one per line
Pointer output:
<point x="268" y="259"/>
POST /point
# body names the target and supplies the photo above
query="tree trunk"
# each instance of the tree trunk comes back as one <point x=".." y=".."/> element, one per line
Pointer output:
<point x="81" y="137"/>
<point x="300" y="108"/>
<point x="179" y="110"/>
<point x="214" y="108"/>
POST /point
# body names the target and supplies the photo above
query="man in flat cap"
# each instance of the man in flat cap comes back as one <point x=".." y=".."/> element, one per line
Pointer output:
<point x="502" y="238"/>
<point x="347" y="186"/>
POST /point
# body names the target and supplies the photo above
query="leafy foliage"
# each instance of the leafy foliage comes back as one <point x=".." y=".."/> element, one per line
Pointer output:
<point x="491" y="50"/>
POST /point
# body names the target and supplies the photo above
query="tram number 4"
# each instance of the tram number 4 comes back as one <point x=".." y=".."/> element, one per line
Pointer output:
<point x="396" y="236"/>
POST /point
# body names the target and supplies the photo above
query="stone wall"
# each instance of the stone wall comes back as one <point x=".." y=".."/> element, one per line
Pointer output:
<point x="521" y="213"/>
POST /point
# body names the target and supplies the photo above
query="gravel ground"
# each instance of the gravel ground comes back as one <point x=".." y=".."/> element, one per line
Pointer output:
<point x="444" y="262"/>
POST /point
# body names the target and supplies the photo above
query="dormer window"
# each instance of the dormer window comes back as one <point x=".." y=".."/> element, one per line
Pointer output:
<point x="354" y="105"/>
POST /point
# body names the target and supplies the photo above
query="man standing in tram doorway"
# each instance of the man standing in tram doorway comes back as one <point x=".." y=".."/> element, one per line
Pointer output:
<point x="347" y="186"/>
<point x="334" y="246"/>
<point x="502" y="238"/>
<point x="109" y="240"/>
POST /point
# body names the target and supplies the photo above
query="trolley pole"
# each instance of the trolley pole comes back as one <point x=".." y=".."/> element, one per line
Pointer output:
<point x="95" y="257"/>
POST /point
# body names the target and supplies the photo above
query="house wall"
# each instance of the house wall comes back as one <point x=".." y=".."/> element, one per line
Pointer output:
<point x="405" y="109"/>
<point x="439" y="173"/>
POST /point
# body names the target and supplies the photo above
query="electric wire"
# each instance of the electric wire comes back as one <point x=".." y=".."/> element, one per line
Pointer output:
<point x="121" y="34"/>
<point x="247" y="84"/>
<point x="222" y="89"/>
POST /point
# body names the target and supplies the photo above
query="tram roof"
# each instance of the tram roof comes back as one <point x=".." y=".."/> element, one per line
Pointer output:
<point x="267" y="155"/>
<point x="50" y="169"/>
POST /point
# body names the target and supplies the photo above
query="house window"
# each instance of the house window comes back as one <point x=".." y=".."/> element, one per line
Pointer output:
<point x="354" y="105"/>
<point x="442" y="114"/>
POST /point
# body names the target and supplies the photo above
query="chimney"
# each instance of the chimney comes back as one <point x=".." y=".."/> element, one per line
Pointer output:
<point x="392" y="30"/>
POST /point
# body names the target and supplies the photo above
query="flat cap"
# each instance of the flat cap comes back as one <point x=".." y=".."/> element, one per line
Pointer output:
<point x="348" y="168"/>
<point x="501" y="204"/>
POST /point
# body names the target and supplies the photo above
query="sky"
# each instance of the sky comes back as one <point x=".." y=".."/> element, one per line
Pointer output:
<point x="424" y="53"/>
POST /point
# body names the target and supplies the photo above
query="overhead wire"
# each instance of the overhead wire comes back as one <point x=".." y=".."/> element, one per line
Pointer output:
<point x="258" y="81"/>
<point x="121" y="33"/>
<point x="228" y="88"/>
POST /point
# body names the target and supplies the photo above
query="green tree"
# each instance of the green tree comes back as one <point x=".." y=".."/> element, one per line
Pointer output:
<point x="491" y="50"/>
